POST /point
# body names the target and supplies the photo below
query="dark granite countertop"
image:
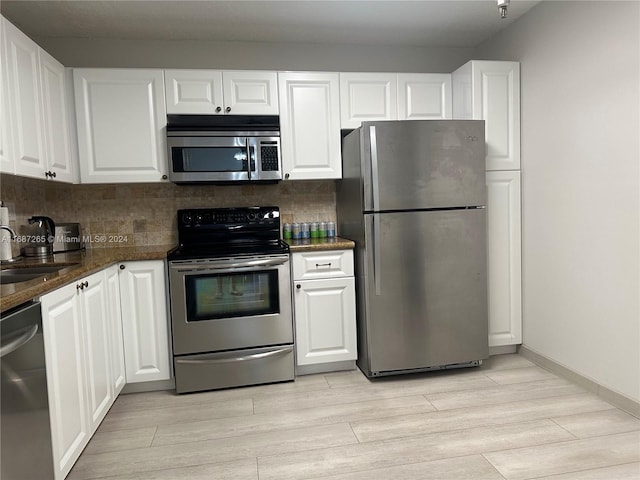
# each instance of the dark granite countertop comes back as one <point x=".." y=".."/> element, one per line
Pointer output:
<point x="82" y="263"/>
<point x="311" y="244"/>
<point x="77" y="264"/>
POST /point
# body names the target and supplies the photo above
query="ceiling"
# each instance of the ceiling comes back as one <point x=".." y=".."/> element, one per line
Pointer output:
<point x="450" y="23"/>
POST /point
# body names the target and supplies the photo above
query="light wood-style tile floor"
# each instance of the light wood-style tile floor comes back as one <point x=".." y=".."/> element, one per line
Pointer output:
<point x="507" y="419"/>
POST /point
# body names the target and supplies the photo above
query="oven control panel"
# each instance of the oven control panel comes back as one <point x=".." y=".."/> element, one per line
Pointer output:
<point x="195" y="217"/>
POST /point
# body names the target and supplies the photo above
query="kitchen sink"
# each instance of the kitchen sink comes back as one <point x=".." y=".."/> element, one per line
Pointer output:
<point x="24" y="274"/>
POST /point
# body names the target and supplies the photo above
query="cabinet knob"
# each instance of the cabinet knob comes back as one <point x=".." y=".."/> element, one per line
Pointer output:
<point x="53" y="174"/>
<point x="121" y="267"/>
<point x="298" y="286"/>
<point x="228" y="109"/>
<point x="286" y="176"/>
<point x="218" y="109"/>
<point x="82" y="285"/>
<point x="164" y="177"/>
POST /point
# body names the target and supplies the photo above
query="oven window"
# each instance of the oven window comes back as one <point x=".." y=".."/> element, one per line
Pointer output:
<point x="211" y="159"/>
<point x="228" y="295"/>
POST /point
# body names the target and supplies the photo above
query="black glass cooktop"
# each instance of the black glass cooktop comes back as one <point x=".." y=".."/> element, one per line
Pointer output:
<point x="228" y="232"/>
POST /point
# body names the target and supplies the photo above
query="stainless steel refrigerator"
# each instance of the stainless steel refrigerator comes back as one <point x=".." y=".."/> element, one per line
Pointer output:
<point x="413" y="198"/>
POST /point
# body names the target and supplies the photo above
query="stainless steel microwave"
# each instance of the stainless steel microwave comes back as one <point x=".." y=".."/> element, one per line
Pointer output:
<point x="223" y="148"/>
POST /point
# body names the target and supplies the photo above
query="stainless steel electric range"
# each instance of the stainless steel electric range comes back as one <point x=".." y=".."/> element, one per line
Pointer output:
<point x="230" y="290"/>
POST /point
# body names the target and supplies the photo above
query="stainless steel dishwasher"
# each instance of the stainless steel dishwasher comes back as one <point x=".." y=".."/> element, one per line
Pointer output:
<point x="25" y="431"/>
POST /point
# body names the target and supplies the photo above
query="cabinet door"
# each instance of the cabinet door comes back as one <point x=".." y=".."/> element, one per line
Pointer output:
<point x="503" y="258"/>
<point x="23" y="70"/>
<point x="367" y="96"/>
<point x="145" y="321"/>
<point x="250" y="92"/>
<point x="310" y="125"/>
<point x="496" y="100"/>
<point x="325" y="320"/>
<point x="121" y="125"/>
<point x="116" y="347"/>
<point x="424" y="96"/>
<point x="93" y="300"/>
<point x="490" y="91"/>
<point x="64" y="353"/>
<point x="194" y="91"/>
<point x="56" y="118"/>
<point x="7" y="163"/>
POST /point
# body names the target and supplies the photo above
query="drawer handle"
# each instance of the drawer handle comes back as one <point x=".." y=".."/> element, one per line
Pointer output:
<point x="318" y="265"/>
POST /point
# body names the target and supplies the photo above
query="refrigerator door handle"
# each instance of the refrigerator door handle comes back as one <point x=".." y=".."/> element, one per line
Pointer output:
<point x="375" y="184"/>
<point x="374" y="234"/>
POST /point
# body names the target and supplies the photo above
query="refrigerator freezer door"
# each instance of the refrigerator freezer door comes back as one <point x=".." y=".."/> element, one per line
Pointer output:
<point x="425" y="290"/>
<point x="423" y="164"/>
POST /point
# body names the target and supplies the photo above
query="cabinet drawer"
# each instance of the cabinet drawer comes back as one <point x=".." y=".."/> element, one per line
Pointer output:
<point x="322" y="264"/>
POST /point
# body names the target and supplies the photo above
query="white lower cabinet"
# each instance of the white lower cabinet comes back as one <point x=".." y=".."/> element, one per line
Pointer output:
<point x="144" y="320"/>
<point x="95" y="316"/>
<point x="66" y="381"/>
<point x="325" y="311"/>
<point x="503" y="258"/>
<point x="118" y="376"/>
<point x="85" y="350"/>
<point x="78" y="358"/>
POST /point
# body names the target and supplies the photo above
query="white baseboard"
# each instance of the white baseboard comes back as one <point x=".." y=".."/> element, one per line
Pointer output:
<point x="503" y="349"/>
<point x="325" y="367"/>
<point x="614" y="398"/>
<point x="150" y="386"/>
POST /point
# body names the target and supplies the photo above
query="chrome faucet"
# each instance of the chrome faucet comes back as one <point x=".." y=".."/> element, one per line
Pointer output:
<point x="10" y="230"/>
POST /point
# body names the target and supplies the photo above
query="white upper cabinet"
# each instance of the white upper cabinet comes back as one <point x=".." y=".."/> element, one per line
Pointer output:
<point x="366" y="97"/>
<point x="390" y="96"/>
<point x="193" y="91"/>
<point x="56" y="119"/>
<point x="25" y="102"/>
<point x="7" y="162"/>
<point x="490" y="91"/>
<point x="247" y="92"/>
<point x="424" y="96"/>
<point x="250" y="92"/>
<point x="121" y="122"/>
<point x="310" y="125"/>
<point x="37" y="113"/>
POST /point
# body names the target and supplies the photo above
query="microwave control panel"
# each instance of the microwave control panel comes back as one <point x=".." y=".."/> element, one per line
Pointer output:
<point x="269" y="158"/>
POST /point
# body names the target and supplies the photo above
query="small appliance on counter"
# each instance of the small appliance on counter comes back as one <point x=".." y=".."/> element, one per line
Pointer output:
<point x="68" y="237"/>
<point x="41" y="244"/>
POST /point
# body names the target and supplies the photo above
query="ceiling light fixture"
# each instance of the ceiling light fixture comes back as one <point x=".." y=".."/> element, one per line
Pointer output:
<point x="502" y="7"/>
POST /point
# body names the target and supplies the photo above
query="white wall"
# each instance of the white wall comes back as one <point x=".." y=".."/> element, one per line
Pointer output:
<point x="99" y="52"/>
<point x="580" y="178"/>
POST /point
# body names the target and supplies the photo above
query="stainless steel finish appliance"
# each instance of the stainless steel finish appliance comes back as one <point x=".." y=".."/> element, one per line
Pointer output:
<point x="25" y="450"/>
<point x="230" y="288"/>
<point x="68" y="237"/>
<point x="413" y="198"/>
<point x="223" y="148"/>
<point x="42" y="246"/>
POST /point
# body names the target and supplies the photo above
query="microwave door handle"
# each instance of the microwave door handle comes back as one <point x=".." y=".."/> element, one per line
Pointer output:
<point x="248" y="159"/>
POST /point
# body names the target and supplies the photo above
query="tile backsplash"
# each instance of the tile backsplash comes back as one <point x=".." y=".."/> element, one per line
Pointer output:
<point x="145" y="214"/>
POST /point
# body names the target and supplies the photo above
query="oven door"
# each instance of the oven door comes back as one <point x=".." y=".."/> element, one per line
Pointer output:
<point x="231" y="303"/>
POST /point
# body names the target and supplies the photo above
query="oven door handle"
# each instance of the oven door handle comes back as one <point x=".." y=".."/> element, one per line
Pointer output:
<point x="214" y="358"/>
<point x="264" y="262"/>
